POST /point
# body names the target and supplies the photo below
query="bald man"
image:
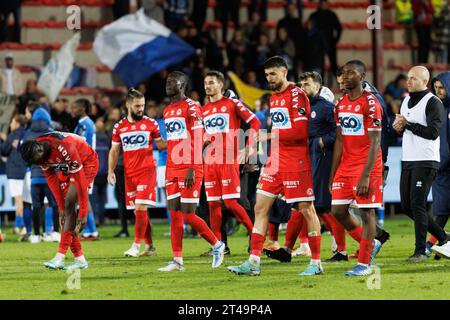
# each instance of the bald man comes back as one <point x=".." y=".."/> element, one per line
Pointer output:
<point x="419" y="121"/>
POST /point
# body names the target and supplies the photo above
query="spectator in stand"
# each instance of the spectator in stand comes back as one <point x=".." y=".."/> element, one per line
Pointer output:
<point x="284" y="46"/>
<point x="6" y="8"/>
<point x="100" y="182"/>
<point x="314" y="57"/>
<point x="105" y="105"/>
<point x="211" y="52"/>
<point x="299" y="5"/>
<point x="228" y="9"/>
<point x="59" y="114"/>
<point x="393" y="95"/>
<point x="31" y="94"/>
<point x="441" y="34"/>
<point x="11" y="80"/>
<point x="199" y="13"/>
<point x="252" y="29"/>
<point x="263" y="114"/>
<point x="423" y="20"/>
<point x="176" y="13"/>
<point x="293" y="25"/>
<point x="252" y="79"/>
<point x="329" y="24"/>
<point x="259" y="6"/>
<point x="15" y="167"/>
<point x="263" y="52"/>
<point x="237" y="51"/>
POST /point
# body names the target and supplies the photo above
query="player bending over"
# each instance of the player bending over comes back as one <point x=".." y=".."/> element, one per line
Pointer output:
<point x="70" y="166"/>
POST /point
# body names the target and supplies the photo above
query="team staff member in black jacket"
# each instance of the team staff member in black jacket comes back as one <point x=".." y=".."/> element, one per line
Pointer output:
<point x="420" y="120"/>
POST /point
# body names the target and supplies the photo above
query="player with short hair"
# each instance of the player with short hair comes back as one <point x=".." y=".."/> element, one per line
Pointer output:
<point x="70" y="166"/>
<point x="135" y="134"/>
<point x="184" y="173"/>
<point x="86" y="129"/>
<point x="288" y="171"/>
<point x="356" y="172"/>
<point x="222" y="118"/>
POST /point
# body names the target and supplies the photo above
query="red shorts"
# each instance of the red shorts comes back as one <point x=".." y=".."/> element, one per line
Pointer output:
<point x="140" y="189"/>
<point x="90" y="172"/>
<point x="222" y="181"/>
<point x="175" y="188"/>
<point x="344" y="192"/>
<point x="294" y="186"/>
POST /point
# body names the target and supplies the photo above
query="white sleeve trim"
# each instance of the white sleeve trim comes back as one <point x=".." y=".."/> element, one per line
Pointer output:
<point x="115" y="143"/>
<point x="251" y="118"/>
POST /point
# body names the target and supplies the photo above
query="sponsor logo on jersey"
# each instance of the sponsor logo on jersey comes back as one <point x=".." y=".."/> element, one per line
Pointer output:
<point x="283" y="102"/>
<point x="176" y="128"/>
<point x="223" y="109"/>
<point x="351" y="124"/>
<point x="143" y="127"/>
<point x="179" y="112"/>
<point x="357" y="108"/>
<point x="280" y="118"/>
<point x="136" y="140"/>
<point x="217" y="123"/>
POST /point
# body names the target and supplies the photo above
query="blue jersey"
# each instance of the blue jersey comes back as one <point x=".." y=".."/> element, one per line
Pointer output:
<point x="86" y="129"/>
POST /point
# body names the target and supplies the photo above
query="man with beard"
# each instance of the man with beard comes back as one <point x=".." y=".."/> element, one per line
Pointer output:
<point x="136" y="133"/>
<point x="184" y="171"/>
<point x="287" y="173"/>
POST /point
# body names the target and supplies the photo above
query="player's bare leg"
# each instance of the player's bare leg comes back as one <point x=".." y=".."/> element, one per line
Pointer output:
<point x="252" y="265"/>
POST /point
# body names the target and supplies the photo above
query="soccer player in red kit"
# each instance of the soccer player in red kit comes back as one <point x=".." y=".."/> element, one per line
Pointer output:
<point x="70" y="166"/>
<point x="356" y="172"/>
<point x="288" y="171"/>
<point x="222" y="120"/>
<point x="135" y="134"/>
<point x="184" y="170"/>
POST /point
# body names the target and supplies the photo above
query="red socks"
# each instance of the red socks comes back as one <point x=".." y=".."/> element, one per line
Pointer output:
<point x="201" y="227"/>
<point x="338" y="232"/>
<point x="75" y="247"/>
<point x="356" y="233"/>
<point x="256" y="244"/>
<point x="215" y="218"/>
<point x="176" y="233"/>
<point x="365" y="250"/>
<point x="273" y="231"/>
<point x="66" y="241"/>
<point x="240" y="213"/>
<point x="432" y="240"/>
<point x="140" y="226"/>
<point x="293" y="228"/>
<point x="314" y="244"/>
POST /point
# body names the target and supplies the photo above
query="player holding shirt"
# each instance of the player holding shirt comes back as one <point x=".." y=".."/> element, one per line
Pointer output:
<point x="184" y="175"/>
<point x="356" y="172"/>
<point x="135" y="134"/>
<point x="70" y="166"/>
<point x="86" y="129"/>
<point x="288" y="171"/>
<point x="222" y="120"/>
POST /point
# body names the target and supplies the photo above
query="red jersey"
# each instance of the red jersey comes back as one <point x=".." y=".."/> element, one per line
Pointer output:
<point x="356" y="119"/>
<point x="289" y="112"/>
<point x="69" y="154"/>
<point x="222" y="121"/>
<point x="136" y="139"/>
<point x="184" y="128"/>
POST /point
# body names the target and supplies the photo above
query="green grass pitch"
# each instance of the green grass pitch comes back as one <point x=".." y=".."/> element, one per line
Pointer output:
<point x="112" y="276"/>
